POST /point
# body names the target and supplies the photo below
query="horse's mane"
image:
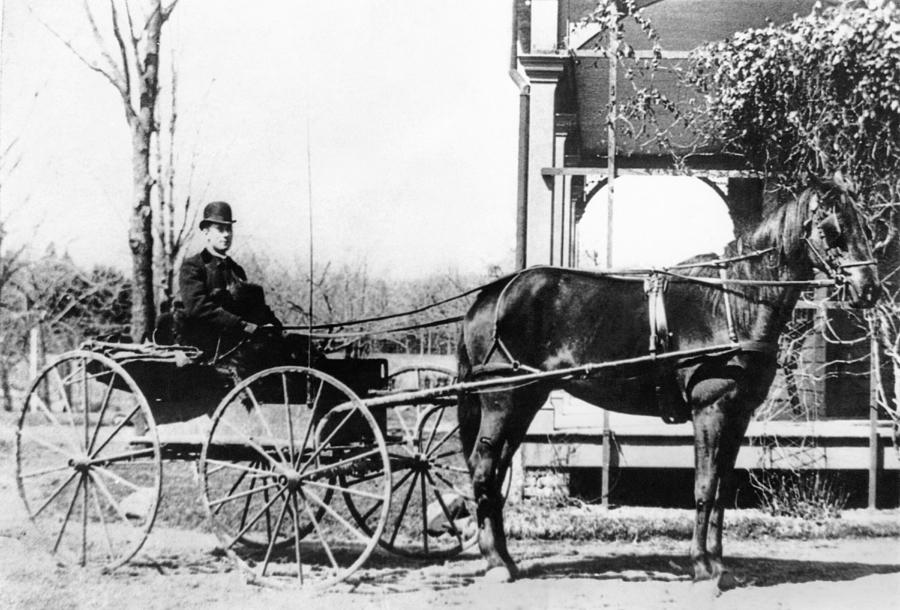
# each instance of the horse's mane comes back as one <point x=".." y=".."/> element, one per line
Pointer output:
<point x="779" y="238"/>
<point x="782" y="228"/>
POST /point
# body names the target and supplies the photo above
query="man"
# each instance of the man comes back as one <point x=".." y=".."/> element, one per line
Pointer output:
<point x="220" y="312"/>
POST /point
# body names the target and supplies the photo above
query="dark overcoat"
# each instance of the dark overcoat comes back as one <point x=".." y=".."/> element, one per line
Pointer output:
<point x="210" y="317"/>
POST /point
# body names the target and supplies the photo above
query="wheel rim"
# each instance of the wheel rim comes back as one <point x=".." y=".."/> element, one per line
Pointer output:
<point x="432" y="510"/>
<point x="90" y="482"/>
<point x="279" y="444"/>
<point x="420" y="377"/>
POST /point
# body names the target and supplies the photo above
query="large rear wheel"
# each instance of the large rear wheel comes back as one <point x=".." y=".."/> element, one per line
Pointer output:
<point x="280" y="444"/>
<point x="90" y="482"/>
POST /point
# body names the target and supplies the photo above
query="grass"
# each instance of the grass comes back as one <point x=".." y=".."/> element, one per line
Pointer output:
<point x="181" y="508"/>
<point x="547" y="521"/>
<point x="811" y="496"/>
<point x="532" y="520"/>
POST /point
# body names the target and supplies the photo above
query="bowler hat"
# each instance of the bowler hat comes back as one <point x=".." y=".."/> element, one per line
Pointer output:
<point x="218" y="212"/>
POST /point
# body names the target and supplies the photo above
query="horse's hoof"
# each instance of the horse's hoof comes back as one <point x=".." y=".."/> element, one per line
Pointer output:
<point x="498" y="574"/>
<point x="726" y="581"/>
<point x="705" y="591"/>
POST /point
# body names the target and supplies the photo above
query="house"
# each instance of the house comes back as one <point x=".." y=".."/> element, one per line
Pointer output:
<point x="818" y="414"/>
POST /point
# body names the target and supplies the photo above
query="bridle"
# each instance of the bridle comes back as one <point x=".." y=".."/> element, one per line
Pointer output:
<point x="834" y="259"/>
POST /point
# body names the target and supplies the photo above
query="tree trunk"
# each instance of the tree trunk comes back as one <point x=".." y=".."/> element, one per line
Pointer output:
<point x="5" y="387"/>
<point x="140" y="234"/>
<point x="140" y="240"/>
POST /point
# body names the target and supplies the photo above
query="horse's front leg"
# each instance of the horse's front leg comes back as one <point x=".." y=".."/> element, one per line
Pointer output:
<point x="734" y="428"/>
<point x="705" y="483"/>
<point x="718" y="429"/>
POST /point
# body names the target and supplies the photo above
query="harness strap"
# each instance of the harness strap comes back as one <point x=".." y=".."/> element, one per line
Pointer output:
<point x="496" y="368"/>
<point x="497" y="342"/>
<point x="726" y="299"/>
<point x="760" y="347"/>
<point x="670" y="402"/>
<point x="655" y="287"/>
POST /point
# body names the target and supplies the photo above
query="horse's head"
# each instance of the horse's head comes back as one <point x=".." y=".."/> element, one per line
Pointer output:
<point x="837" y="238"/>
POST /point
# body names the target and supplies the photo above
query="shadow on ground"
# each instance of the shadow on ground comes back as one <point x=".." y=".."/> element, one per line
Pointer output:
<point x="749" y="571"/>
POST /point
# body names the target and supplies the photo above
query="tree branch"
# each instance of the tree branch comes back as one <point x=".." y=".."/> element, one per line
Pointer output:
<point x="135" y="39"/>
<point x="167" y="11"/>
<point x="112" y="78"/>
<point x="98" y="37"/>
<point x="117" y="32"/>
<point x="164" y="13"/>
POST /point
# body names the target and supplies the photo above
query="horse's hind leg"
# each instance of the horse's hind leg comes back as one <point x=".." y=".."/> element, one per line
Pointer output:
<point x="500" y="432"/>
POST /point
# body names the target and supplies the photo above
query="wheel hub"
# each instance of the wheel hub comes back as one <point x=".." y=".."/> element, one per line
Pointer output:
<point x="420" y="462"/>
<point x="81" y="463"/>
<point x="290" y="479"/>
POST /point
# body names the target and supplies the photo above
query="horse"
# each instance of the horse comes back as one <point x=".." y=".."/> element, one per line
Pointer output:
<point x="550" y="319"/>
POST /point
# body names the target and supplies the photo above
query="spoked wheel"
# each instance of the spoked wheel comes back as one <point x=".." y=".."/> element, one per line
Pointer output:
<point x="90" y="482"/>
<point x="280" y="444"/>
<point x="245" y="481"/>
<point x="403" y="420"/>
<point x="432" y="512"/>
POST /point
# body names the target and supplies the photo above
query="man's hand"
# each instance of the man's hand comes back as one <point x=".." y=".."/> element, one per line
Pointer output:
<point x="255" y="329"/>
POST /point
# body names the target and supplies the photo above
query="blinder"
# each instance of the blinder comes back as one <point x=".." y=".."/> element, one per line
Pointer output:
<point x="830" y="229"/>
<point x="827" y="224"/>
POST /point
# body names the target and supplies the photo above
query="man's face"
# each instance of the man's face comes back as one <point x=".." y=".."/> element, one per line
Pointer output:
<point x="218" y="237"/>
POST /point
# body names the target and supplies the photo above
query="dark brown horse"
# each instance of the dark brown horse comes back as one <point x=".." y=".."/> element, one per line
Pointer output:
<point x="546" y="319"/>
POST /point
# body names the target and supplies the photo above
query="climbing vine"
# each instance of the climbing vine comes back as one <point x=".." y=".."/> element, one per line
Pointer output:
<point x="817" y="95"/>
<point x="795" y="102"/>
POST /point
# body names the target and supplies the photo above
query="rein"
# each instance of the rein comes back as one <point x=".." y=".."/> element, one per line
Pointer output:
<point x="392" y="316"/>
<point x="655" y="284"/>
<point x="622" y="274"/>
<point x="363" y="333"/>
<point x="655" y="281"/>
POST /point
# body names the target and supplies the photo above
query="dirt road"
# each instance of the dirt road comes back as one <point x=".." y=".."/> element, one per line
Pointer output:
<point x="182" y="569"/>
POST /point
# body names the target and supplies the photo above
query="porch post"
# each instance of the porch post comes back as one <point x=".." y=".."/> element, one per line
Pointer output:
<point x="543" y="73"/>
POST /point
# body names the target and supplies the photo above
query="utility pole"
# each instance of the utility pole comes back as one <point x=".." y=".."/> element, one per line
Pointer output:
<point x="2" y="21"/>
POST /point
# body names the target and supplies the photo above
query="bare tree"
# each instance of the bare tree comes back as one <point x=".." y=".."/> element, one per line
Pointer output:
<point x="11" y="263"/>
<point x="176" y="209"/>
<point x="127" y="56"/>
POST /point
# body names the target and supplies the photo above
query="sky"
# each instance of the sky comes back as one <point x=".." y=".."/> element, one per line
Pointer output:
<point x="393" y="122"/>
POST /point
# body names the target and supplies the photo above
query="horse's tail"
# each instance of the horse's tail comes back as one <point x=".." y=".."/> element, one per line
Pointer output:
<point x="469" y="410"/>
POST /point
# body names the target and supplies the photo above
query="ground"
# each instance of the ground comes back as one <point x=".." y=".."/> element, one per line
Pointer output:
<point x="183" y="569"/>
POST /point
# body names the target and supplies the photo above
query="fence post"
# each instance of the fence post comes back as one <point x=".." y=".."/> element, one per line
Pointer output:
<point x="611" y="150"/>
<point x="34" y="351"/>
<point x="874" y="445"/>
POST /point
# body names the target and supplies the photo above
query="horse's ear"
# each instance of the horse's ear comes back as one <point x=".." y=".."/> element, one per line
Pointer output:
<point x="843" y="183"/>
<point x="813" y="201"/>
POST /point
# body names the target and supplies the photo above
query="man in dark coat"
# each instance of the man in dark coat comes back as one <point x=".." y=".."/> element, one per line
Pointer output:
<point x="223" y="314"/>
<point x="215" y="314"/>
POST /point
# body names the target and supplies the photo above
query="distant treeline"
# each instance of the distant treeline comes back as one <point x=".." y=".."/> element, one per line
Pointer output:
<point x="50" y="304"/>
